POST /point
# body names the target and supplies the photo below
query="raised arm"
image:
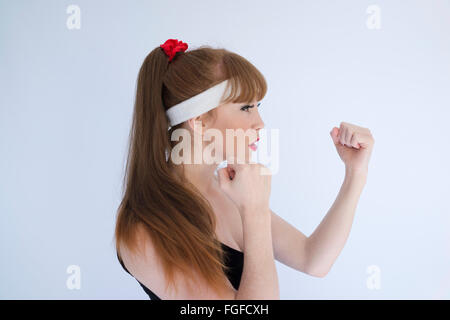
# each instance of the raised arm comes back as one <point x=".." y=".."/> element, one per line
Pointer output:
<point x="354" y="145"/>
<point x="328" y="239"/>
<point x="316" y="254"/>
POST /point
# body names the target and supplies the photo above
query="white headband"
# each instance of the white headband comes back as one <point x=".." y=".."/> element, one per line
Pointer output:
<point x="197" y="105"/>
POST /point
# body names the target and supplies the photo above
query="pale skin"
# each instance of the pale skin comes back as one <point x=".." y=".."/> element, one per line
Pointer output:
<point x="258" y="231"/>
<point x="315" y="254"/>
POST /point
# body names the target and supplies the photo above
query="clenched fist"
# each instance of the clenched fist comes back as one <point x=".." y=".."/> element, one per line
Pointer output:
<point x="354" y="145"/>
<point x="247" y="187"/>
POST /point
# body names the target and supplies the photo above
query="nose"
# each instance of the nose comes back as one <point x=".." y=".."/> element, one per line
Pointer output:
<point x="258" y="124"/>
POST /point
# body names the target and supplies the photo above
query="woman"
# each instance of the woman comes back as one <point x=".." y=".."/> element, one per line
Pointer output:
<point x="181" y="231"/>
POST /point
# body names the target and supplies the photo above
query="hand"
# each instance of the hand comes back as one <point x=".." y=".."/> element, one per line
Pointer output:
<point x="247" y="187"/>
<point x="354" y="145"/>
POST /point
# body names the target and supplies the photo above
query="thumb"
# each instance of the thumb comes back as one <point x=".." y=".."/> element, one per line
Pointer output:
<point x="334" y="133"/>
<point x="224" y="178"/>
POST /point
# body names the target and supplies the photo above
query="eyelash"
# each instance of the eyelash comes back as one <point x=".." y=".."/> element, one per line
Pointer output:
<point x="248" y="107"/>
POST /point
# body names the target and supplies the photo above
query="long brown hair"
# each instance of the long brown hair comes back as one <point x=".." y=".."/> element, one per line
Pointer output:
<point x="178" y="218"/>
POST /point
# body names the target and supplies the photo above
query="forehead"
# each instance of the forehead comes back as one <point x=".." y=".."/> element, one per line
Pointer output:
<point x="233" y="105"/>
<point x="254" y="101"/>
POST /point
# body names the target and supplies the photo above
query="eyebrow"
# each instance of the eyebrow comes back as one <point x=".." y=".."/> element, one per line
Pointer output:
<point x="251" y="105"/>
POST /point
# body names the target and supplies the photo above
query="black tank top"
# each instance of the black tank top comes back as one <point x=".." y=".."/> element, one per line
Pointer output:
<point x="234" y="259"/>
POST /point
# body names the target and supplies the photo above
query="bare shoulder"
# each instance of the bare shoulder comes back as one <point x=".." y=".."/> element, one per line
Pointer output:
<point x="146" y="267"/>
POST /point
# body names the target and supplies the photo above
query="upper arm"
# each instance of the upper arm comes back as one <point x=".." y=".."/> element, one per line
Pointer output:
<point x="289" y="243"/>
<point x="147" y="269"/>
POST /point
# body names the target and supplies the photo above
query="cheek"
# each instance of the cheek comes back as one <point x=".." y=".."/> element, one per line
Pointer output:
<point x="236" y="147"/>
<point x="238" y="150"/>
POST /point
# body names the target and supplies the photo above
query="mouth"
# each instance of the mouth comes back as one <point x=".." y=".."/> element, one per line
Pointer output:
<point x="253" y="145"/>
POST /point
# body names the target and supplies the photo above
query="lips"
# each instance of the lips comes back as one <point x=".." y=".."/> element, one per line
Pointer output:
<point x="253" y="145"/>
<point x="254" y="142"/>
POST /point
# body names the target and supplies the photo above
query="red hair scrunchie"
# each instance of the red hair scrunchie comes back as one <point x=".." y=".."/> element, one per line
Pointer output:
<point x="172" y="46"/>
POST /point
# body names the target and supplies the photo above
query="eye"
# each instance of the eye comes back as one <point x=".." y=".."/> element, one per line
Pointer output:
<point x="245" y="108"/>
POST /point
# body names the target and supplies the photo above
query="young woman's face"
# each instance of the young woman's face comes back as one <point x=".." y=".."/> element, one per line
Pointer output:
<point x="236" y="116"/>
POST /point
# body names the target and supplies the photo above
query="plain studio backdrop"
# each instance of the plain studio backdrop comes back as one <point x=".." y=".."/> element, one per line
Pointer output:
<point x="68" y="72"/>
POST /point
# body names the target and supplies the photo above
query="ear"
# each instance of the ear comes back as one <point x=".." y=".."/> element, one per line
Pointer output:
<point x="197" y="124"/>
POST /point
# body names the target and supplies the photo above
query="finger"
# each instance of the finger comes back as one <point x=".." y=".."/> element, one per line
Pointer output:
<point x="224" y="178"/>
<point x="231" y="172"/>
<point x="354" y="142"/>
<point x="348" y="137"/>
<point x="231" y="161"/>
<point x="334" y="135"/>
<point x="234" y="163"/>
<point x="363" y="139"/>
<point x="342" y="132"/>
<point x="355" y="128"/>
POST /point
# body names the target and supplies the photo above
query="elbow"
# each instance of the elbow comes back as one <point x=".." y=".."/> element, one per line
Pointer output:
<point x="318" y="272"/>
<point x="316" y="269"/>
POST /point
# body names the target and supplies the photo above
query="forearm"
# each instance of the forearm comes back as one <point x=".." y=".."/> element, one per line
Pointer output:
<point x="259" y="277"/>
<point x="328" y="239"/>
